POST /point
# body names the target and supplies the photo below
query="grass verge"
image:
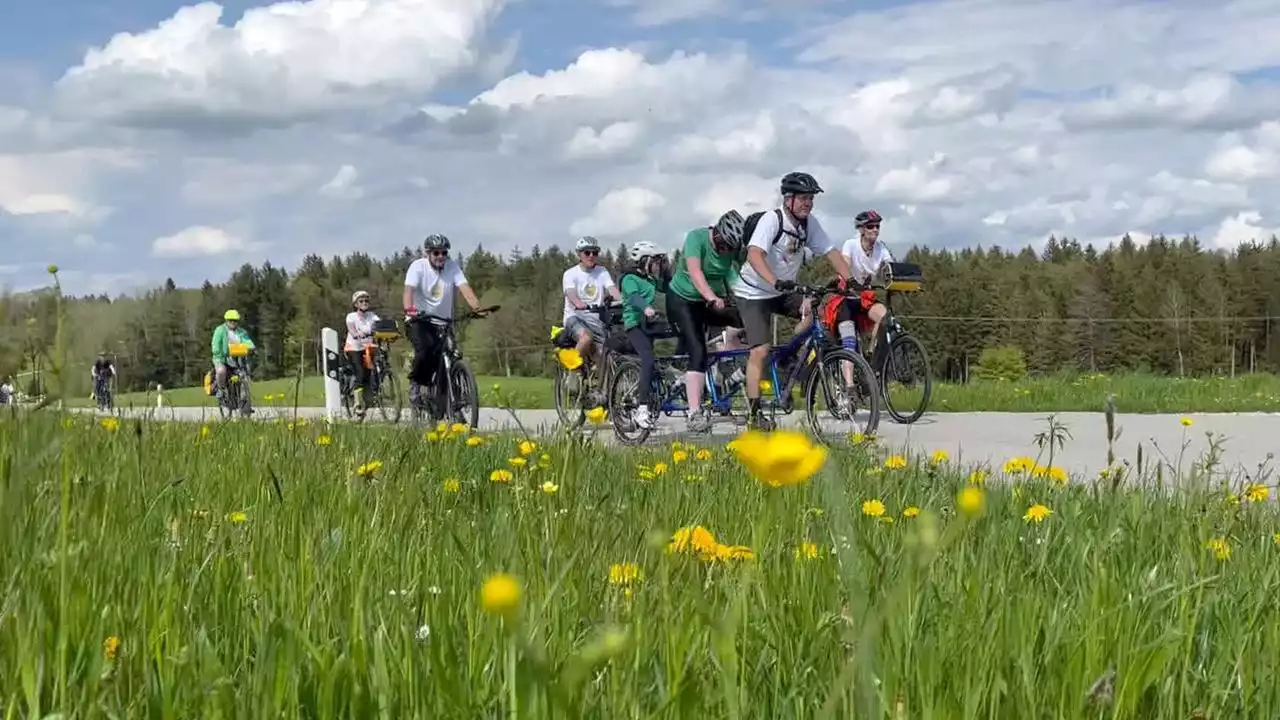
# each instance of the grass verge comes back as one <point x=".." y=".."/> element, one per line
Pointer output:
<point x="253" y="569"/>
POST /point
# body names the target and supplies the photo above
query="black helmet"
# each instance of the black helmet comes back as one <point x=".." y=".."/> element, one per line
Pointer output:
<point x="436" y="242"/>
<point x="798" y="183"/>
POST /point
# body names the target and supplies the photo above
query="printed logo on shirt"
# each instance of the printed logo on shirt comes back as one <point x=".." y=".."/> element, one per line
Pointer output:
<point x="437" y="292"/>
<point x="589" y="292"/>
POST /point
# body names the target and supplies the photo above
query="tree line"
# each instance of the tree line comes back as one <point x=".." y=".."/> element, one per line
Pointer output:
<point x="1166" y="306"/>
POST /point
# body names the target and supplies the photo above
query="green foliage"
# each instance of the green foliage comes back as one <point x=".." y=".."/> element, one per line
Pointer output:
<point x="1000" y="363"/>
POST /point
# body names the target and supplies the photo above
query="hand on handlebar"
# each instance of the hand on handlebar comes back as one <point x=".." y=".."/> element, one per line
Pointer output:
<point x="784" y="285"/>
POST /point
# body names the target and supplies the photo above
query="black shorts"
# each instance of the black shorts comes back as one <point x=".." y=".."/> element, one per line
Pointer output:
<point x="757" y="315"/>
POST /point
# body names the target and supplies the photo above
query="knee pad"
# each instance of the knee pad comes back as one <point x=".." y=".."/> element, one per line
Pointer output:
<point x="848" y="329"/>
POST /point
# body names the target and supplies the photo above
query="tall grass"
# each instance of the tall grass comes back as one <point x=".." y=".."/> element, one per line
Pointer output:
<point x="251" y="570"/>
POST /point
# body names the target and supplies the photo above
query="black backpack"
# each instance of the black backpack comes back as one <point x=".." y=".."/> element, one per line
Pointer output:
<point x="749" y="229"/>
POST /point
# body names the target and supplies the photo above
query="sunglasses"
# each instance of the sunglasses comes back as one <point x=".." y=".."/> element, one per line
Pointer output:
<point x="439" y="253"/>
<point x="871" y="227"/>
<point x="590" y="253"/>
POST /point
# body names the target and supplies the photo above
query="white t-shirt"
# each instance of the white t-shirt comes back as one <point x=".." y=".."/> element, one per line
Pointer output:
<point x="432" y="289"/>
<point x="591" y="286"/>
<point x="862" y="265"/>
<point x="784" y="263"/>
<point x="362" y="326"/>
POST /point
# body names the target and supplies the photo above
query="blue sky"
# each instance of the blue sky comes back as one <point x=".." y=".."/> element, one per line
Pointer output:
<point x="963" y="122"/>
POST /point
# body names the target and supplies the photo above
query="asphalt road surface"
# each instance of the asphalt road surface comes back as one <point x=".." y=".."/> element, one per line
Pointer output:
<point x="1247" y="440"/>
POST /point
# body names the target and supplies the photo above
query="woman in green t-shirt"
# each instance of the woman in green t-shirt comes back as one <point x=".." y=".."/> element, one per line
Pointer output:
<point x="697" y="299"/>
<point x="639" y="287"/>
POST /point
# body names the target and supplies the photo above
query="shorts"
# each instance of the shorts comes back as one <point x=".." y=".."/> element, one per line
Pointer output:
<point x="841" y="309"/>
<point x="757" y="315"/>
<point x="575" y="325"/>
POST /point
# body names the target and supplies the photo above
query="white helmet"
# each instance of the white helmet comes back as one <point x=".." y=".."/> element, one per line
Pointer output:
<point x="644" y="249"/>
<point x="586" y="242"/>
<point x="358" y="296"/>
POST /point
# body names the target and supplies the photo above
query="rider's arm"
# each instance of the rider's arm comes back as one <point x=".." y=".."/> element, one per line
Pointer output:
<point x="611" y="288"/>
<point x="412" y="279"/>
<point x="469" y="295"/>
<point x="218" y="346"/>
<point x="759" y="245"/>
<point x="571" y="290"/>
<point x="693" y="263"/>
<point x="631" y="289"/>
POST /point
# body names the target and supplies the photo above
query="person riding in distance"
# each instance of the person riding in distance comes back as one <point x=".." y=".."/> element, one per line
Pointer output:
<point x="428" y="290"/>
<point x="640" y="286"/>
<point x="696" y="300"/>
<point x="224" y="336"/>
<point x="585" y="285"/>
<point x="360" y="322"/>
<point x="866" y="255"/>
<point x="774" y="257"/>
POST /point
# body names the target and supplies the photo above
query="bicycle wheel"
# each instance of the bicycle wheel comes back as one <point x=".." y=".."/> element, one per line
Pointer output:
<point x="904" y="368"/>
<point x="623" y="385"/>
<point x="570" y="389"/>
<point x="347" y="393"/>
<point x="386" y="393"/>
<point x="842" y="398"/>
<point x="464" y="396"/>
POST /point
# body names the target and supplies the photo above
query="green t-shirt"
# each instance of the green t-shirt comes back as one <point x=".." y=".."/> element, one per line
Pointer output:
<point x="718" y="269"/>
<point x="633" y="284"/>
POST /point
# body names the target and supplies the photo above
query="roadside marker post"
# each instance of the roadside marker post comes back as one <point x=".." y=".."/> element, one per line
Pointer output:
<point x="332" y="391"/>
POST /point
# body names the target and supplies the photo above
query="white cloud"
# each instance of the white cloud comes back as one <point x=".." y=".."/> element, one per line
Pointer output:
<point x="913" y="184"/>
<point x="586" y="142"/>
<point x="343" y="185"/>
<point x="278" y="63"/>
<point x="1242" y="228"/>
<point x="619" y="212"/>
<point x="745" y="193"/>
<point x="197" y="241"/>
<point x="56" y="182"/>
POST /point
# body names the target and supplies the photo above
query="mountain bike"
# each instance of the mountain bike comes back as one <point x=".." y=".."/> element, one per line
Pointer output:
<point x="787" y="367"/>
<point x="234" y="398"/>
<point x="456" y="387"/>
<point x="383" y="391"/>
<point x="103" y="397"/>
<point x="585" y="387"/>
<point x="899" y="359"/>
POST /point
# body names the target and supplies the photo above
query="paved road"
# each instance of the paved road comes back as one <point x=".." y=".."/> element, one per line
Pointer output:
<point x="1248" y="438"/>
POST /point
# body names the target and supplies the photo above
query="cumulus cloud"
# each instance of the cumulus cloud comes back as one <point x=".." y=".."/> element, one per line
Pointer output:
<point x="1242" y="228"/>
<point x="279" y="63"/>
<point x="197" y="241"/>
<point x="619" y="213"/>
<point x="586" y="142"/>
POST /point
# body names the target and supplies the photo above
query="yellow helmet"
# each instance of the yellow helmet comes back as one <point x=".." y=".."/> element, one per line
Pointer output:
<point x="231" y="315"/>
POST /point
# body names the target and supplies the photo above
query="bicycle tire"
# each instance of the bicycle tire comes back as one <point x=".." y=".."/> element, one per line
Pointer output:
<point x="389" y="385"/>
<point x="461" y="378"/>
<point x="886" y="360"/>
<point x="620" y="408"/>
<point x="861" y="368"/>
<point x="571" y="416"/>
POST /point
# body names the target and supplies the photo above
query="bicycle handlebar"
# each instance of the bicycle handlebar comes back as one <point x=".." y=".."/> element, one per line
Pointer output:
<point x="468" y="315"/>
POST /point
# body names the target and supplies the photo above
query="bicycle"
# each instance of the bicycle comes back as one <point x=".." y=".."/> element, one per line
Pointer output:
<point x="455" y="383"/>
<point x="383" y="391"/>
<point x="234" y="398"/>
<point x="572" y="402"/>
<point x="785" y="369"/>
<point x="894" y="346"/>
<point x="103" y="397"/>
<point x="668" y="390"/>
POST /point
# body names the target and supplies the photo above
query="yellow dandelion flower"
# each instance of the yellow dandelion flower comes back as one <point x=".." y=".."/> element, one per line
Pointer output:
<point x="624" y="573"/>
<point x="205" y="431"/>
<point x="110" y="647"/>
<point x="679" y="456"/>
<point x="692" y="538"/>
<point x="857" y="438"/>
<point x="517" y="462"/>
<point x="452" y="485"/>
<point x="978" y="477"/>
<point x="1220" y="547"/>
<point x="939" y="456"/>
<point x="780" y="458"/>
<point x="500" y="594"/>
<point x="1017" y="465"/>
<point x="369" y="468"/>
<point x="431" y="436"/>
<point x="528" y="447"/>
<point x="110" y="424"/>
<point x="1037" y="513"/>
<point x="872" y="508"/>
<point x="1186" y="422"/>
<point x="237" y="517"/>
<point x="597" y="415"/>
<point x="703" y="454"/>
<point x="458" y="429"/>
<point x="895" y="462"/>
<point x="475" y="441"/>
<point x="766" y="387"/>
<point x="1257" y="492"/>
<point x="324" y="440"/>
<point x="544" y="461"/>
<point x="550" y="488"/>
<point x="806" y="551"/>
<point x="971" y="500"/>
<point x="910" y="511"/>
<point x="570" y="359"/>
<point x="659" y="469"/>
<point x="501" y="476"/>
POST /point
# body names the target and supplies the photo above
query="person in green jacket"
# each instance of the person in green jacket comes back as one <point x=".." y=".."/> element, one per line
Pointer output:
<point x="639" y="289"/>
<point x="224" y="336"/>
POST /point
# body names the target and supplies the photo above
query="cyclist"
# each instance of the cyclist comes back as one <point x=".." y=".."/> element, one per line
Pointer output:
<point x="775" y="253"/>
<point x="585" y="286"/>
<point x="224" y="336"/>
<point x="640" y="286"/>
<point x="103" y="371"/>
<point x="360" y="323"/>
<point x="698" y="298"/>
<point x="866" y="255"/>
<point x="428" y="290"/>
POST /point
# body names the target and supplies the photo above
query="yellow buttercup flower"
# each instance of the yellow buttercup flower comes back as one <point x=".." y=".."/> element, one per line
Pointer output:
<point x="500" y="594"/>
<point x="780" y="458"/>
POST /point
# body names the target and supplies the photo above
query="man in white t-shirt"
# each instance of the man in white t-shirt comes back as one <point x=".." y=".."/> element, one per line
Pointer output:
<point x="428" y="292"/>
<point x="587" y="287"/>
<point x="775" y="253"/>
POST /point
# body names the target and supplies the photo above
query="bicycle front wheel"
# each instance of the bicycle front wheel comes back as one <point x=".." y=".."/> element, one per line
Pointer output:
<point x="570" y="388"/>
<point x="624" y="383"/>
<point x="464" y="400"/>
<point x="386" y="393"/>
<point x="842" y="384"/>
<point x="905" y="380"/>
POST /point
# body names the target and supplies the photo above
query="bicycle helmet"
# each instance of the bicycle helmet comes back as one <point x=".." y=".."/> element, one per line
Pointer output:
<point x="867" y="217"/>
<point x="436" y="241"/>
<point x="644" y="249"/>
<point x="586" y="242"/>
<point x="358" y="296"/>
<point x="799" y="183"/>
<point x="729" y="229"/>
<point x="231" y="315"/>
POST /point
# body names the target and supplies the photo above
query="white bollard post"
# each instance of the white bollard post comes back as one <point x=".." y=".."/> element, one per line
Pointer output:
<point x="332" y="391"/>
